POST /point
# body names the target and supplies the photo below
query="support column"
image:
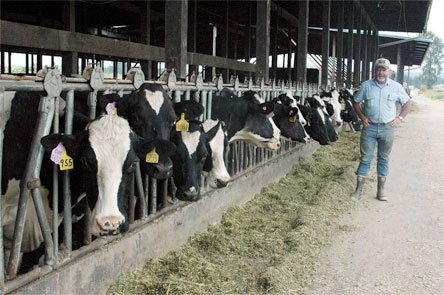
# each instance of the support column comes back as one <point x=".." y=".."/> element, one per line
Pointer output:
<point x="357" y="57"/>
<point x="351" y="25"/>
<point x="145" y="37"/>
<point x="302" y="42"/>
<point x="400" y="65"/>
<point x="290" y="51"/>
<point x="340" y="45"/>
<point x="365" y="57"/>
<point x="176" y="34"/>
<point x="263" y="38"/>
<point x="70" y="64"/>
<point x="325" y="41"/>
<point x="274" y="55"/>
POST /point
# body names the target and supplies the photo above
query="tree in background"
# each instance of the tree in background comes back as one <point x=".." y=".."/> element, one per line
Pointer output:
<point x="433" y="61"/>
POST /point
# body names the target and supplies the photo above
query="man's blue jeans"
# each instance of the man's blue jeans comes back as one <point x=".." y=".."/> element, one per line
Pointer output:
<point x="381" y="134"/>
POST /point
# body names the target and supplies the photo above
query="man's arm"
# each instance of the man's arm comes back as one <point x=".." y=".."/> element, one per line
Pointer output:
<point x="404" y="111"/>
<point x="358" y="109"/>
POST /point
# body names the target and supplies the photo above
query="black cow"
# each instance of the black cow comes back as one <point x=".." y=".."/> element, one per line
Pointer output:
<point x="246" y="118"/>
<point x="349" y="114"/>
<point x="315" y="124"/>
<point x="288" y="118"/>
<point x="150" y="113"/>
<point x="201" y="146"/>
<point x="316" y="102"/>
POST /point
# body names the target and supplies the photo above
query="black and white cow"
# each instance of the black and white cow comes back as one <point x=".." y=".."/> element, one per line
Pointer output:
<point x="316" y="102"/>
<point x="288" y="118"/>
<point x="200" y="148"/>
<point x="315" y="124"/>
<point x="334" y="106"/>
<point x="150" y="113"/>
<point x="246" y="118"/>
<point x="104" y="156"/>
<point x="348" y="113"/>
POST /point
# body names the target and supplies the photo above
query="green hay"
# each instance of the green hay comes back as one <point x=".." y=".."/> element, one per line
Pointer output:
<point x="270" y="244"/>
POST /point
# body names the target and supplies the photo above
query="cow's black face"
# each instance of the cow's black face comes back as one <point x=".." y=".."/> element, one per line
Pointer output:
<point x="151" y="115"/>
<point x="315" y="124"/>
<point x="287" y="119"/>
<point x="189" y="159"/>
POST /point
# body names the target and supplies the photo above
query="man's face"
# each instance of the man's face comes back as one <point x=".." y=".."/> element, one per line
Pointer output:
<point x="382" y="74"/>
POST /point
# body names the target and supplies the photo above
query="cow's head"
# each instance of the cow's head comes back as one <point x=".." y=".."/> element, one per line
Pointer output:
<point x="333" y="106"/>
<point x="250" y="119"/>
<point x="289" y="119"/>
<point x="189" y="158"/>
<point x="150" y="113"/>
<point x="316" y="102"/>
<point x="315" y="124"/>
<point x="105" y="155"/>
<point x="217" y="144"/>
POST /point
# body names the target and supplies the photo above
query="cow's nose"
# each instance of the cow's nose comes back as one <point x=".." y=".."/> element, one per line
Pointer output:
<point x="163" y="170"/>
<point x="109" y="224"/>
<point x="221" y="183"/>
<point x="278" y="144"/>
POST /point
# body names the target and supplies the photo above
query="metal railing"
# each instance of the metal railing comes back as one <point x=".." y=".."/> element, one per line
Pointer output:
<point x="242" y="157"/>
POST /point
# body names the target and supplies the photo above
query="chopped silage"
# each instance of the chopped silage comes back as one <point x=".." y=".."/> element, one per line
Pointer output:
<point x="270" y="244"/>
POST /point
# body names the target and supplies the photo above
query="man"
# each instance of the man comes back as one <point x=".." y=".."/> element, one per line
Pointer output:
<point x="375" y="104"/>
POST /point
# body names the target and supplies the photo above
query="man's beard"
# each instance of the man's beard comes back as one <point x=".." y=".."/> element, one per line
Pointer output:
<point x="381" y="79"/>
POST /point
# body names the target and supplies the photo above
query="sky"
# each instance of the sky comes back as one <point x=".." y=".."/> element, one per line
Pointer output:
<point x="435" y="23"/>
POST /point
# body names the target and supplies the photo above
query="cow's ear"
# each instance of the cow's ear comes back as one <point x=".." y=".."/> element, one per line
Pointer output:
<point x="105" y="99"/>
<point x="74" y="144"/>
<point x="192" y="109"/>
<point x="293" y="112"/>
<point x="143" y="146"/>
<point x="265" y="108"/>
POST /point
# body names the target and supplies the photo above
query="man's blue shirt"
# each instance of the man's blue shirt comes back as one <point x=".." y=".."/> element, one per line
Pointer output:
<point x="379" y="101"/>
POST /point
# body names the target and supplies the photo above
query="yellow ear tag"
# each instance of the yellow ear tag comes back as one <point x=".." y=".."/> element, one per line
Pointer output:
<point x="66" y="163"/>
<point x="293" y="119"/>
<point x="152" y="157"/>
<point x="182" y="124"/>
<point x="115" y="111"/>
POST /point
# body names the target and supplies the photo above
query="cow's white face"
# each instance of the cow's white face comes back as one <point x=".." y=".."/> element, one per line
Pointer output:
<point x="218" y="174"/>
<point x="334" y="100"/>
<point x="110" y="140"/>
<point x="294" y="104"/>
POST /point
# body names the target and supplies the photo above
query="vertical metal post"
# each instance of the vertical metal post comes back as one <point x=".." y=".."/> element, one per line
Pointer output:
<point x="165" y="193"/>
<point x="2" y="126"/>
<point x="32" y="170"/>
<point x="147" y="192"/>
<point x="153" y="203"/>
<point x="139" y="184"/>
<point x="131" y="201"/>
<point x="55" y="186"/>
<point x="67" y="237"/>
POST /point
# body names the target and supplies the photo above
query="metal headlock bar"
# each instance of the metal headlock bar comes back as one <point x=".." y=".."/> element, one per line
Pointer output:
<point x="241" y="158"/>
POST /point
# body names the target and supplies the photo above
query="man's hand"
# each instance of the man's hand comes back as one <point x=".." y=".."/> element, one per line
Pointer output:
<point x="396" y="122"/>
<point x="366" y="121"/>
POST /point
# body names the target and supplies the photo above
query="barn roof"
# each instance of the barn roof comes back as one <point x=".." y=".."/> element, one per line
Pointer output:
<point x="414" y="49"/>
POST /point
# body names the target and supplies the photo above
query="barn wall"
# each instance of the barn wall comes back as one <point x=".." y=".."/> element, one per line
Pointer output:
<point x="95" y="272"/>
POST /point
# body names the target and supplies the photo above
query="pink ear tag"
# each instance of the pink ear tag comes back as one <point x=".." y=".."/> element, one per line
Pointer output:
<point x="56" y="154"/>
<point x="111" y="108"/>
<point x="171" y="84"/>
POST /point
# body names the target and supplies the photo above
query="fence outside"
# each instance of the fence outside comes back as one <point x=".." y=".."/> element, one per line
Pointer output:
<point x="242" y="157"/>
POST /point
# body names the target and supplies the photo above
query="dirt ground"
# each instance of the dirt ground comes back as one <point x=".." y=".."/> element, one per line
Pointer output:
<point x="397" y="247"/>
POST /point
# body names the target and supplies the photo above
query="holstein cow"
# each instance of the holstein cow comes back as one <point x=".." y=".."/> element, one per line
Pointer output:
<point x="104" y="156"/>
<point x="315" y="124"/>
<point x="349" y="114"/>
<point x="150" y="113"/>
<point x="288" y="118"/>
<point x="246" y="118"/>
<point x="316" y="102"/>
<point x="199" y="148"/>
<point x="332" y="98"/>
